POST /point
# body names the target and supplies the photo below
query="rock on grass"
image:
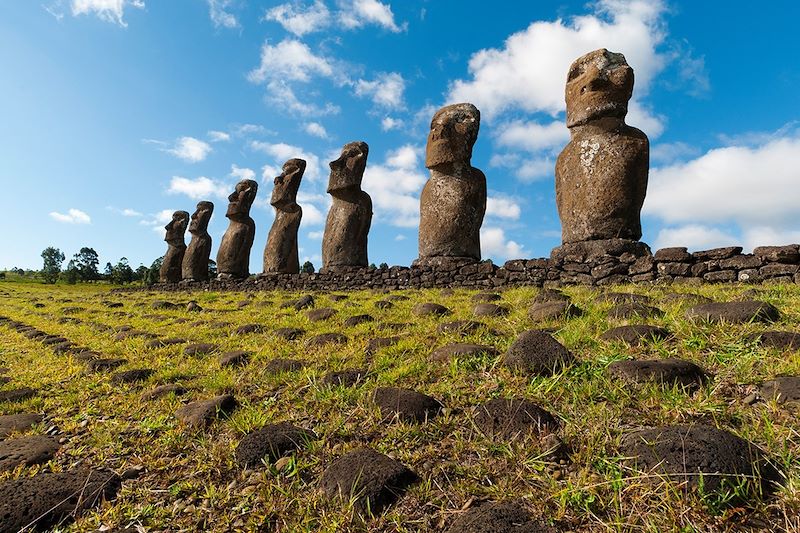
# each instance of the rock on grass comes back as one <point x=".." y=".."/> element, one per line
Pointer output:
<point x="500" y="517"/>
<point x="734" y="312"/>
<point x="271" y="443"/>
<point x="668" y="371"/>
<point x="19" y="422"/>
<point x="513" y="418"/>
<point x="27" y="451"/>
<point x="537" y="353"/>
<point x="203" y="412"/>
<point x="406" y="404"/>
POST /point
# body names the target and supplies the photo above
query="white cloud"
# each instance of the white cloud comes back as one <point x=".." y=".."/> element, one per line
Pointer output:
<point x="406" y="157"/>
<point x="316" y="129"/>
<point x="312" y="215"/>
<point x="242" y="173"/>
<point x="157" y="221"/>
<point x="495" y="245"/>
<point x="198" y="189"/>
<point x="300" y="20"/>
<point x="389" y="123"/>
<point x="694" y="237"/>
<point x="671" y="152"/>
<point x="73" y="216"/>
<point x="400" y="237"/>
<point x="190" y="149"/>
<point x="130" y="213"/>
<point x="282" y="152"/>
<point x="528" y="168"/>
<point x="532" y="136"/>
<point x="107" y="10"/>
<point x="315" y="235"/>
<point x="219" y="16"/>
<point x="219" y="136"/>
<point x="282" y="94"/>
<point x="502" y="207"/>
<point x="386" y="90"/>
<point x="359" y="13"/>
<point x="395" y="186"/>
<point x="529" y="72"/>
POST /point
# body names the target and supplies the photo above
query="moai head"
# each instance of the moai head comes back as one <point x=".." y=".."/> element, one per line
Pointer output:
<point x="599" y="84"/>
<point x="176" y="228"/>
<point x="347" y="171"/>
<point x="454" y="130"/>
<point x="286" y="185"/>
<point x="200" y="218"/>
<point x="240" y="201"/>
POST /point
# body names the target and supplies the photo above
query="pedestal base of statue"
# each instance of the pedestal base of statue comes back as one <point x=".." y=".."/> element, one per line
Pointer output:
<point x="342" y="269"/>
<point x="594" y="251"/>
<point x="224" y="276"/>
<point x="447" y="263"/>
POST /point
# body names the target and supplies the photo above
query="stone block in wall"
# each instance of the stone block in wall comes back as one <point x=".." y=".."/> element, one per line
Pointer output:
<point x="537" y="263"/>
<point x="779" y="254"/>
<point x="674" y="269"/>
<point x="750" y="275"/>
<point x="797" y="278"/>
<point x="517" y="276"/>
<point x="468" y="269"/>
<point x="642" y="265"/>
<point x="673" y="255"/>
<point x="740" y="262"/>
<point x="553" y="274"/>
<point x="717" y="253"/>
<point x="501" y="273"/>
<point x="515" y="265"/>
<point x="486" y="268"/>
<point x="582" y="268"/>
<point x="589" y="251"/>
<point x="609" y="269"/>
<point x="721" y="276"/>
<point x="629" y="258"/>
<point x="643" y="278"/>
<point x="576" y="279"/>
<point x="699" y="269"/>
<point x="614" y="279"/>
<point x="777" y="269"/>
<point x="682" y="280"/>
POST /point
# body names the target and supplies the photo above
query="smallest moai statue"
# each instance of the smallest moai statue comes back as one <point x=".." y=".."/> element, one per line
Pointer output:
<point x="195" y="260"/>
<point x="170" y="271"/>
<point x="280" y="254"/>
<point x="233" y="256"/>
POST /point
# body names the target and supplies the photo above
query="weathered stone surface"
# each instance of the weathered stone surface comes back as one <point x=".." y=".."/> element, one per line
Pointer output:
<point x="354" y="321"/>
<point x="289" y="334"/>
<point x="601" y="175"/>
<point x="406" y="404"/>
<point x="203" y="412"/>
<point x="500" y="517"/>
<point x="281" y="252"/>
<point x="782" y="389"/>
<point x="52" y="497"/>
<point x="345" y="378"/>
<point x="320" y="314"/>
<point x="537" y="353"/>
<point x="683" y="454"/>
<point x="375" y="344"/>
<point x="195" y="261"/>
<point x="740" y="262"/>
<point x="368" y="479"/>
<point x="104" y="365"/>
<point x="782" y="340"/>
<point x="163" y="390"/>
<point x="16" y="395"/>
<point x="513" y="418"/>
<point x="778" y="254"/>
<point x="233" y="256"/>
<point x="777" y="269"/>
<point x="270" y="443"/>
<point x="344" y="243"/>
<point x="674" y="269"/>
<point x="326" y="338"/>
<point x="200" y="348"/>
<point x="634" y="309"/>
<point x="623" y="298"/>
<point x="668" y="371"/>
<point x="486" y="297"/>
<point x="427" y="309"/>
<point x="453" y="201"/>
<point x="249" y="328"/>
<point x="280" y="364"/>
<point x="636" y="335"/>
<point x="487" y="309"/>
<point x="170" y="271"/>
<point x="549" y="295"/>
<point x="678" y="254"/>
<point x="721" y="276"/>
<point x="596" y="250"/>
<point x="736" y="312"/>
<point x="717" y="253"/>
<point x="19" y="422"/>
<point x="234" y="358"/>
<point x="384" y="304"/>
<point x="27" y="451"/>
<point x="132" y="376"/>
<point x="460" y="349"/>
<point x="553" y="310"/>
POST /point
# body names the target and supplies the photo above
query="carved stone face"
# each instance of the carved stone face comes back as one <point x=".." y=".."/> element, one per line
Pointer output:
<point x="454" y="130"/>
<point x="200" y="218"/>
<point x="599" y="84"/>
<point x="347" y="171"/>
<point x="286" y="185"/>
<point x="241" y="200"/>
<point x="177" y="227"/>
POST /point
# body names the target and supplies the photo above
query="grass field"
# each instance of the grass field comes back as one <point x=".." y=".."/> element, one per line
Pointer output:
<point x="189" y="479"/>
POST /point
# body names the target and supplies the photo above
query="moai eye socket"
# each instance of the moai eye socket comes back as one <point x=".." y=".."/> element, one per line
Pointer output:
<point x="574" y="72"/>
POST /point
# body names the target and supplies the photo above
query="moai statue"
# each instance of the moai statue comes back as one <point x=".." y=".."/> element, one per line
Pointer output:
<point x="453" y="201"/>
<point x="195" y="260"/>
<point x="280" y="254"/>
<point x="344" y="243"/>
<point x="601" y="175"/>
<point x="170" y="271"/>
<point x="233" y="257"/>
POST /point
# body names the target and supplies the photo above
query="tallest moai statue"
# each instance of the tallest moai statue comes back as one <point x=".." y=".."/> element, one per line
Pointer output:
<point x="601" y="175"/>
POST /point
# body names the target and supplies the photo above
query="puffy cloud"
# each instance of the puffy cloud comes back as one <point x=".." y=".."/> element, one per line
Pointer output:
<point x="300" y="20"/>
<point x="281" y="152"/>
<point x="671" y="152"/>
<point x="400" y="237"/>
<point x="386" y="90"/>
<point x="525" y="168"/>
<point x="502" y="207"/>
<point x="290" y="59"/>
<point x="315" y="235"/>
<point x="242" y="173"/>
<point x="694" y="237"/>
<point x="316" y="129"/>
<point x="495" y="245"/>
<point x="218" y="136"/>
<point x="390" y="123"/>
<point x="73" y="216"/>
<point x="130" y="213"/>
<point x="190" y="149"/>
<point x="395" y="186"/>
<point x="107" y="10"/>
<point x="532" y="136"/>
<point x="359" y="13"/>
<point x="198" y="189"/>
<point x="219" y="16"/>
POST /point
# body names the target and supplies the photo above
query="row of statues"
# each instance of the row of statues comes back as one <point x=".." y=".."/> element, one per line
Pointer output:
<point x="601" y="181"/>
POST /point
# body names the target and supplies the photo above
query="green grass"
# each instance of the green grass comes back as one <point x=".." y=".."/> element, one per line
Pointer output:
<point x="191" y="482"/>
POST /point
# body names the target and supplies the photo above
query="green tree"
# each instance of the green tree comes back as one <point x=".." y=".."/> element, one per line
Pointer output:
<point x="86" y="261"/>
<point x="108" y="271"/>
<point x="122" y="272"/>
<point x="71" y="275"/>
<point x="141" y="273"/>
<point x="212" y="269"/>
<point x="153" y="272"/>
<point x="308" y="267"/>
<point x="384" y="266"/>
<point x="53" y="257"/>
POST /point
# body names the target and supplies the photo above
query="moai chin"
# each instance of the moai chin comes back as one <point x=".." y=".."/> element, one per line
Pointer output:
<point x="280" y="254"/>
<point x="601" y="175"/>
<point x="344" y="243"/>
<point x="195" y="260"/>
<point x="453" y="201"/>
<point x="233" y="256"/>
<point x="170" y="271"/>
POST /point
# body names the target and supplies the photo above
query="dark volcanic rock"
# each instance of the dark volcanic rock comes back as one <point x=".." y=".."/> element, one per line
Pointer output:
<point x="428" y="309"/>
<point x="323" y="313"/>
<point x="685" y="298"/>
<point x="326" y="338"/>
<point x="371" y="480"/>
<point x="782" y="389"/>
<point x="160" y="343"/>
<point x="683" y="453"/>
<point x="408" y="405"/>
<point x="201" y="413"/>
<point x="782" y="340"/>
<point x="501" y="517"/>
<point x="20" y="422"/>
<point x="460" y="349"/>
<point x="384" y="304"/>
<point x="271" y="443"/>
<point x="104" y="365"/>
<point x="487" y="309"/>
<point x="289" y="334"/>
<point x="283" y="365"/>
<point x="512" y="418"/>
<point x="303" y="302"/>
<point x="132" y="376"/>
<point x="635" y="335"/>
<point x="249" y="328"/>
<point x="736" y="312"/>
<point x="486" y="297"/>
<point x="462" y="327"/>
<point x="634" y="309"/>
<point x="537" y="353"/>
<point x="28" y="451"/>
<point x="549" y="295"/>
<point x="163" y="304"/>
<point x="234" y="358"/>
<point x="345" y="378"/>
<point x="358" y="319"/>
<point x="200" y="348"/>
<point x="163" y="390"/>
<point x="380" y="342"/>
<point x="16" y="395"/>
<point x="52" y="497"/>
<point x="669" y="371"/>
<point x="623" y="298"/>
<point x="552" y="310"/>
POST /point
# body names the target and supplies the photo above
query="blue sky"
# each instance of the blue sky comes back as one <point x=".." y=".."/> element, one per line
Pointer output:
<point x="117" y="112"/>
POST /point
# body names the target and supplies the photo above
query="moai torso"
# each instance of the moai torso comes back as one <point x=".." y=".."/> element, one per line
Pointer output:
<point x="233" y="257"/>
<point x="281" y="253"/>
<point x="170" y="271"/>
<point x="195" y="260"/>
